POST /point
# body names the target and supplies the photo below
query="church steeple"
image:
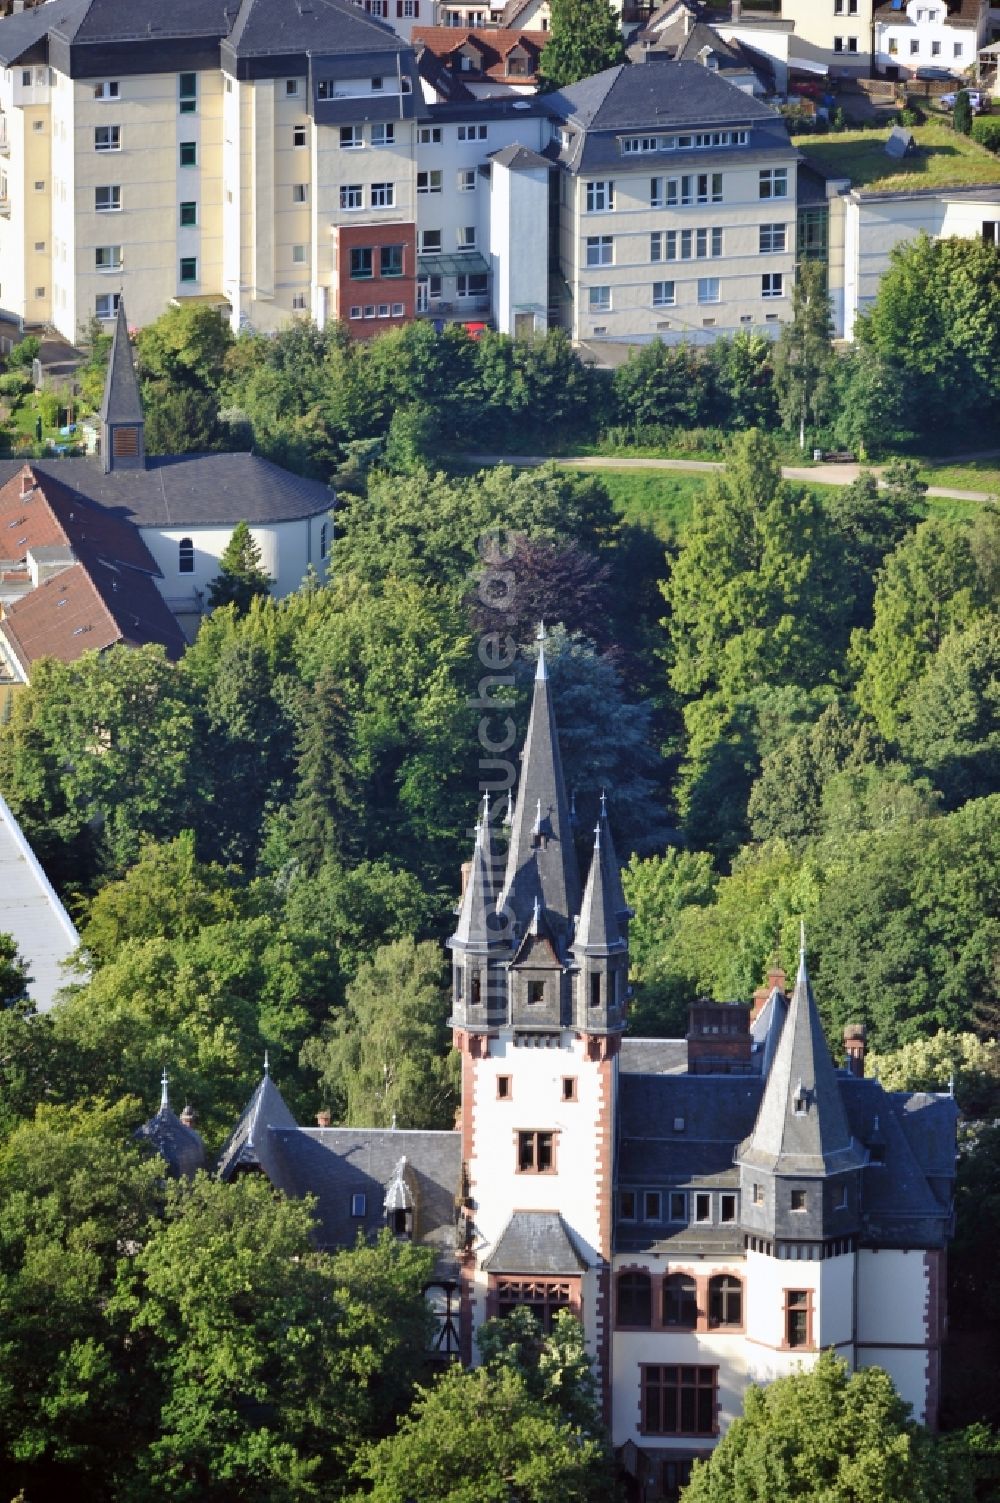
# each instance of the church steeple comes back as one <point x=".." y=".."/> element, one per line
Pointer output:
<point x="801" y="1134"/>
<point x="541" y="860"/>
<point x="123" y="444"/>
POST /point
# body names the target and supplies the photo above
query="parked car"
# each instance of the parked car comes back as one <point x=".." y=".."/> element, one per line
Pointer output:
<point x="934" y="75"/>
<point x="947" y="101"/>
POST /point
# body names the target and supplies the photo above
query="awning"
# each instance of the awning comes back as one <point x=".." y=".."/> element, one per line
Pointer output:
<point x="469" y="263"/>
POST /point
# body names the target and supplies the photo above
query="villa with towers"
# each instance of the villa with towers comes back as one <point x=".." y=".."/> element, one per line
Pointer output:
<point x="716" y="1210"/>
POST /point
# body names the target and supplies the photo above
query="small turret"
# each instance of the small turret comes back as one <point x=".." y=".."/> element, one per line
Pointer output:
<point x="123" y="443"/>
<point x="600" y="951"/>
<point x="478" y="946"/>
<point x="174" y="1139"/>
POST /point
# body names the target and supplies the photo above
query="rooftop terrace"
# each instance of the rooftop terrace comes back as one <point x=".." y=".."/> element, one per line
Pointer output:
<point x="943" y="159"/>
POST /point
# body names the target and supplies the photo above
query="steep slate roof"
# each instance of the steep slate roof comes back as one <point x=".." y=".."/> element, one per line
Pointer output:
<point x="266" y="27"/>
<point x="50" y="515"/>
<point x="31" y="912"/>
<point x="801" y="1127"/>
<point x="176" y="1143"/>
<point x="18" y="34"/>
<point x="122" y="402"/>
<point x="250" y="1145"/>
<point x="614" y="871"/>
<point x="550" y="866"/>
<point x="474" y="930"/>
<point x="190" y="490"/>
<point x="519" y="158"/>
<point x="536" y="1242"/>
<point x="110" y="21"/>
<point x="653" y="1056"/>
<point x="597" y="933"/>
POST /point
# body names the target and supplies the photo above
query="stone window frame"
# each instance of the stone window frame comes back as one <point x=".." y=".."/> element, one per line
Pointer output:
<point x="646" y="1367"/>
<point x="702" y="1280"/>
<point x="536" y="1133"/>
<point x="788" y="1309"/>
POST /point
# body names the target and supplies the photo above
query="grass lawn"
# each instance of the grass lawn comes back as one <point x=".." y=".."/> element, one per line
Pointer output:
<point x="944" y="159"/>
<point x="973" y="475"/>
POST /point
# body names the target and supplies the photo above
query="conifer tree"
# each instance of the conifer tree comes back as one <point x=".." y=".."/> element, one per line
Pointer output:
<point x="585" y="38"/>
<point x="241" y="577"/>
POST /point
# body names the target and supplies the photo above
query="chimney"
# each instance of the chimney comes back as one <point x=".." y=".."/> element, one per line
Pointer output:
<point x="855" y="1040"/>
<point x="775" y="981"/>
<point x="188" y="1116"/>
<point x="737" y="10"/>
<point x="28" y="481"/>
<point x="687" y="22"/>
<point x="323" y="1118"/>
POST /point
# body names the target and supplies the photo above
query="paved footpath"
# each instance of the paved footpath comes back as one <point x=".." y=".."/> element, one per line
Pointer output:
<point x="818" y="474"/>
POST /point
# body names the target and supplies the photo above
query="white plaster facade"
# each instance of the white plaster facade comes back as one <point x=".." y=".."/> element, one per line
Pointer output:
<point x="924" y="35"/>
<point x="288" y="551"/>
<point x="519" y="202"/>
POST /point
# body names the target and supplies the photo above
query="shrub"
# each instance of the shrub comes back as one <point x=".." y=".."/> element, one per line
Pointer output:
<point x="962" y="117"/>
<point x="49" y="405"/>
<point x="986" y="130"/>
<point x="14" y="384"/>
<point x="24" y="353"/>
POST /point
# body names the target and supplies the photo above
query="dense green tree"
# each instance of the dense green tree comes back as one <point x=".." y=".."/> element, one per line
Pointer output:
<point x="871" y="517"/>
<point x="659" y="889"/>
<point x="824" y="1433"/>
<point x="532" y="389"/>
<point x="937" y="311"/>
<point x="961" y="117"/>
<point x="662" y="384"/>
<point x="952" y="729"/>
<point x="585" y="37"/>
<point x="180" y="358"/>
<point x="356" y="909"/>
<point x="14" y="977"/>
<point x="383" y="1059"/>
<point x="264" y="1364"/>
<point x="962" y="1060"/>
<point x="786" y="800"/>
<point x="74" y="1193"/>
<point x="743" y="376"/>
<point x="907" y="926"/>
<point x="241" y="577"/>
<point x="874" y="413"/>
<point x="929" y="586"/>
<point x="480" y="1436"/>
<point x="804" y="362"/>
<point x="556" y="1367"/>
<point x="321" y="821"/>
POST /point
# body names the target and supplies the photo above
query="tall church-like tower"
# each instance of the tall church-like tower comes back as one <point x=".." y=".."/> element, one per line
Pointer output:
<point x="540" y="978"/>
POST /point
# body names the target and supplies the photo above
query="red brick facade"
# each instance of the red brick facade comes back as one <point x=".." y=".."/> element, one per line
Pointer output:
<point x="368" y="304"/>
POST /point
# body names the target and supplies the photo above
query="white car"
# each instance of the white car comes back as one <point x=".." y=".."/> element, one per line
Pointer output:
<point x="947" y="101"/>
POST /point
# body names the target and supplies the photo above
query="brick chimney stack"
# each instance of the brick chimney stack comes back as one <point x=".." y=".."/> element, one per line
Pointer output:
<point x="855" y="1040"/>
<point x="775" y="978"/>
<point x="323" y="1118"/>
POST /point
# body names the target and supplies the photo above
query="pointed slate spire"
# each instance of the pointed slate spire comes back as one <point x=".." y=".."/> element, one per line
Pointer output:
<point x="541" y="858"/>
<point x="610" y="857"/>
<point x="474" y="932"/>
<point x="801" y="1126"/>
<point x="122" y="440"/>
<point x="597" y="932"/>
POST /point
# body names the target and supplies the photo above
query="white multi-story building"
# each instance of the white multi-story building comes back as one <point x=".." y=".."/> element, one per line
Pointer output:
<point x="929" y="33"/>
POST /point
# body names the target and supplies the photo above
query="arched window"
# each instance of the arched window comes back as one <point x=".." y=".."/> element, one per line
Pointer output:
<point x="635" y="1299"/>
<point x="725" y="1300"/>
<point x="680" y="1301"/>
<point x="324" y="539"/>
<point x="185" y="556"/>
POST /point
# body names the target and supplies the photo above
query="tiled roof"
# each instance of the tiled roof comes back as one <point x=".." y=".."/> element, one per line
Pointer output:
<point x="50" y="514"/>
<point x="190" y="490"/>
<point x="493" y="47"/>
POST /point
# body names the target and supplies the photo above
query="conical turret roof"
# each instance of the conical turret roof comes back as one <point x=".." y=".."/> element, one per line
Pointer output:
<point x="610" y="858"/>
<point x="122" y="402"/>
<point x="541" y="854"/>
<point x="476" y="929"/>
<point x="801" y="1126"/>
<point x="597" y="931"/>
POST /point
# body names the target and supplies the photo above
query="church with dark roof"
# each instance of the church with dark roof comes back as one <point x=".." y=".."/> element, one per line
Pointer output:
<point x="716" y="1209"/>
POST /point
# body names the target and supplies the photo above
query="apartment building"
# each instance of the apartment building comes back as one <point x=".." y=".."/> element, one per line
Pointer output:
<point x="677" y="205"/>
<point x="929" y="33"/>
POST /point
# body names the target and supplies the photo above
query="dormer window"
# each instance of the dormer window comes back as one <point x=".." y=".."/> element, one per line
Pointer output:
<point x="536" y="992"/>
<point x="800" y="1101"/>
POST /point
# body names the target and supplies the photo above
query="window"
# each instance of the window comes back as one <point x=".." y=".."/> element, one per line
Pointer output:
<point x="390" y="264"/>
<point x="798" y="1317"/>
<point x="599" y="299"/>
<point x="106" y="304"/>
<point x="189" y="269"/>
<point x="39" y="292"/>
<point x="703" y="1206"/>
<point x="725" y="1300"/>
<point x="600" y="250"/>
<point x="187" y="93"/>
<point x="324" y="88"/>
<point x="708" y="242"/>
<point x="298" y="135"/>
<point x="680" y="1301"/>
<point x="840" y="1198"/>
<point x="845" y="44"/>
<point x="185" y="556"/>
<point x="651" y="1205"/>
<point x="298" y="255"/>
<point x="543" y="1297"/>
<point x="429" y="182"/>
<point x="504" y="1083"/>
<point x="772" y="239"/>
<point x="26" y="79"/>
<point x="595" y="989"/>
<point x="356" y="311"/>
<point x="398" y="309"/>
<point x="470" y="133"/>
<point x="600" y="197"/>
<point x="569" y="1088"/>
<point x="536" y="992"/>
<point x="935" y="49"/>
<point x="107" y="138"/>
<point x="773" y="182"/>
<point x="472" y="284"/>
<point x="377" y="84"/>
<point x="189" y="153"/>
<point x="188" y="214"/>
<point x="430" y="242"/>
<point x="300" y="193"/>
<point x="678" y="1200"/>
<point x="383" y="195"/>
<point x="105" y="90"/>
<point x="758" y="1195"/>
<point x="383" y="310"/>
<point x="362" y="263"/>
<point x="467" y="180"/>
<point x="626" y="1205"/>
<point x="429" y="135"/>
<point x="359" y="1205"/>
<point x="678" y="1400"/>
<point x="384" y="135"/>
<point x="299" y="306"/>
<point x="708" y="289"/>
<point x="352" y="196"/>
<point x="108" y="258"/>
<point x="798" y="1200"/>
<point x="467" y="237"/>
<point x="292" y="89"/>
<point x="40" y="185"/>
<point x="893" y="47"/>
<point x="351" y="137"/>
<point x="535" y="1152"/>
<point x="656" y="198"/>
<point x="727" y="1208"/>
<point x="772" y="284"/>
<point x="957" y="49"/>
<point x="635" y="1300"/>
<point x="107" y="200"/>
<point x="914" y="47"/>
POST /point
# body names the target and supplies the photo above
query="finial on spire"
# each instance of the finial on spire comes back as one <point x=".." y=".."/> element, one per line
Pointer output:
<point x="541" y="672"/>
<point x="267" y="1063"/>
<point x="536" y="828"/>
<point x="536" y="915"/>
<point x="164" y="1095"/>
<point x="597" y="836"/>
<point x="508" y="818"/>
<point x="802" y="941"/>
<point x="604" y="803"/>
<point x="572" y="807"/>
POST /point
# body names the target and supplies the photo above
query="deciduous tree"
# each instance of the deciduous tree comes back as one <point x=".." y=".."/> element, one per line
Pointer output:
<point x="803" y="356"/>
<point x="585" y="37"/>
